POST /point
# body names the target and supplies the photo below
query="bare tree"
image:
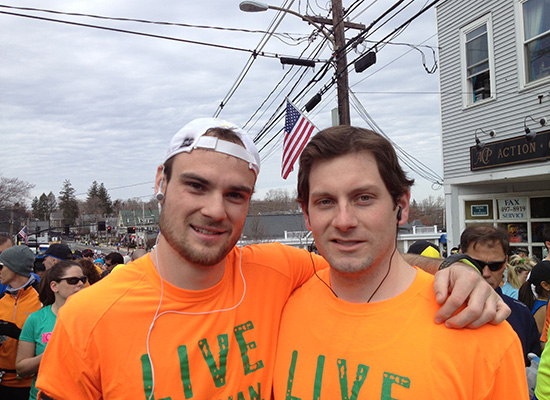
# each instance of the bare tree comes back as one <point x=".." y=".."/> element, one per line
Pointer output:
<point x="275" y="201"/>
<point x="430" y="211"/>
<point x="13" y="191"/>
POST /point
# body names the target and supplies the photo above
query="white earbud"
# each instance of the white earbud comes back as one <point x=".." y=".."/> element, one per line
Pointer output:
<point x="160" y="195"/>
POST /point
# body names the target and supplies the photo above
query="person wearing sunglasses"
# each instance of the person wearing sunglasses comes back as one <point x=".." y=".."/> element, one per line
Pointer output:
<point x="19" y="300"/>
<point x="487" y="248"/>
<point x="58" y="283"/>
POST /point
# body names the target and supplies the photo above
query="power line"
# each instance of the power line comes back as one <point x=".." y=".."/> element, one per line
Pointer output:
<point x="263" y="41"/>
<point x="410" y="161"/>
<point x="145" y="21"/>
<point x="262" y="54"/>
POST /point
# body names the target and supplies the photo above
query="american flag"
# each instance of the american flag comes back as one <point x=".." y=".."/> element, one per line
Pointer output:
<point x="297" y="133"/>
<point x="24" y="234"/>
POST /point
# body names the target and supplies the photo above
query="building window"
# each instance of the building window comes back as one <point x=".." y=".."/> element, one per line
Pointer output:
<point x="478" y="70"/>
<point x="536" y="39"/>
<point x="523" y="217"/>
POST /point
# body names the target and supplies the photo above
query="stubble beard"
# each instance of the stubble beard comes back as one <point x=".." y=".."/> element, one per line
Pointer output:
<point x="205" y="258"/>
<point x="353" y="267"/>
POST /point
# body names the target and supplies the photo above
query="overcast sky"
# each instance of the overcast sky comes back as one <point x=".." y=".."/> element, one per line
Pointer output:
<point x="86" y="104"/>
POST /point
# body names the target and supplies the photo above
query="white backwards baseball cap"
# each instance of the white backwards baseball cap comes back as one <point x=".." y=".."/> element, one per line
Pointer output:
<point x="191" y="137"/>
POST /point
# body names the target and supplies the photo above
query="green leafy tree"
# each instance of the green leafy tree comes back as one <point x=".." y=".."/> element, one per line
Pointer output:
<point x="68" y="203"/>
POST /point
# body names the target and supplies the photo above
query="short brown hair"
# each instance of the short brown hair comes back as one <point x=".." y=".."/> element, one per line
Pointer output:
<point x="341" y="140"/>
<point x="484" y="234"/>
<point x="5" y="238"/>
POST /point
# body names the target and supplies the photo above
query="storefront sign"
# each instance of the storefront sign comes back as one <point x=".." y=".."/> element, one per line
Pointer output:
<point x="511" y="151"/>
<point x="512" y="208"/>
<point x="480" y="210"/>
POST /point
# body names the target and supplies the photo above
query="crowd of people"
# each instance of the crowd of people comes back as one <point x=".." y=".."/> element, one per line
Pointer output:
<point x="522" y="281"/>
<point x="213" y="320"/>
<point x="33" y="290"/>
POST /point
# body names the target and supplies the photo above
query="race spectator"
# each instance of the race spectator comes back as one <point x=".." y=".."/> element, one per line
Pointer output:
<point x="111" y="261"/>
<point x="19" y="300"/>
<point x="61" y="281"/>
<point x="424" y="248"/>
<point x="88" y="254"/>
<point x="534" y="293"/>
<point x="367" y="320"/>
<point x="90" y="270"/>
<point x="55" y="253"/>
<point x="518" y="269"/>
<point x="487" y="248"/>
<point x="5" y="243"/>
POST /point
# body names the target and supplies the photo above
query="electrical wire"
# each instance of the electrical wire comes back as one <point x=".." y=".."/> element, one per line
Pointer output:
<point x="411" y="162"/>
<point x="274" y="24"/>
<point x="145" y="21"/>
<point x="196" y="42"/>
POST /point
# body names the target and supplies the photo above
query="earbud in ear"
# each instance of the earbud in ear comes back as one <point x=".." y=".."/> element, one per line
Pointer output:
<point x="160" y="195"/>
<point x="399" y="214"/>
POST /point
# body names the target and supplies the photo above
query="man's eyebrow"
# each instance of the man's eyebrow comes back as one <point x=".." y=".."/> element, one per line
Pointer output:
<point x="190" y="175"/>
<point x="243" y="188"/>
<point x="206" y="182"/>
<point x="326" y="193"/>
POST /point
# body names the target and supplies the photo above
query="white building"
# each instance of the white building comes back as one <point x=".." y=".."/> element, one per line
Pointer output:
<point x="495" y="83"/>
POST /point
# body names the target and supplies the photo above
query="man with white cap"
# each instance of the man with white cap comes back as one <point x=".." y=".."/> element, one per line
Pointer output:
<point x="198" y="316"/>
<point x="18" y="301"/>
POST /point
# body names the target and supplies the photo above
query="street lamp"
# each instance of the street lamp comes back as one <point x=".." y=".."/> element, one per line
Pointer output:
<point x="337" y="42"/>
<point x="256" y="6"/>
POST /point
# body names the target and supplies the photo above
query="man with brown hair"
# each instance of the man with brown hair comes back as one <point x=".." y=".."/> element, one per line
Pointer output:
<point x="363" y="328"/>
<point x="488" y="248"/>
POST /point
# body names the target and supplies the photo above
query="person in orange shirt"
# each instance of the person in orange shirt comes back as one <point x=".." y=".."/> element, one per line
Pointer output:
<point x="18" y="301"/>
<point x="363" y="328"/>
<point x="198" y="316"/>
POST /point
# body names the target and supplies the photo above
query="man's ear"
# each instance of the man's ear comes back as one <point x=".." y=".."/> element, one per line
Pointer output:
<point x="403" y="202"/>
<point x="306" y="216"/>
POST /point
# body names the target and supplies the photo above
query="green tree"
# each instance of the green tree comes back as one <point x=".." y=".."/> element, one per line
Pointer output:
<point x="43" y="214"/>
<point x="98" y="201"/>
<point x="52" y="204"/>
<point x="68" y="203"/>
<point x="34" y="207"/>
<point x="106" y="203"/>
<point x="93" y="191"/>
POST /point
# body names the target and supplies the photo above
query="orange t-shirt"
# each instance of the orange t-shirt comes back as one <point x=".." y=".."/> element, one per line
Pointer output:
<point x="99" y="346"/>
<point x="331" y="349"/>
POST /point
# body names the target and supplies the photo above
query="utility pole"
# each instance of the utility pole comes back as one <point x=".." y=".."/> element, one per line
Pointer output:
<point x="338" y="41"/>
<point x="341" y="62"/>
